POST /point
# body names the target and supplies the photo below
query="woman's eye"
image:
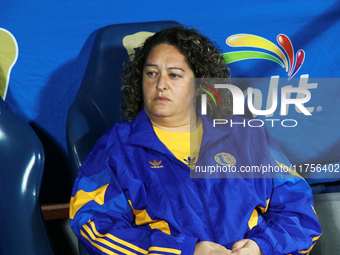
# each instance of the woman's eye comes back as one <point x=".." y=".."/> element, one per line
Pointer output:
<point x="150" y="74"/>
<point x="173" y="75"/>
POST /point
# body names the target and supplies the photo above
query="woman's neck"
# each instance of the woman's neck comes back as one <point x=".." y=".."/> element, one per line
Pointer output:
<point x="185" y="126"/>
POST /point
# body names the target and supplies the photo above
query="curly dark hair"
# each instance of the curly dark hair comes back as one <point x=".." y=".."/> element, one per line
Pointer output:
<point x="203" y="57"/>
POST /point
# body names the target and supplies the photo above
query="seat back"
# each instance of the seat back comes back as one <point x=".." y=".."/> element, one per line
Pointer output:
<point x="96" y="107"/>
<point x="22" y="229"/>
<point x="327" y="207"/>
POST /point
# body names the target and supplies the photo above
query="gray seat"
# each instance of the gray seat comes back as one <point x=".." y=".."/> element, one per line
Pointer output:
<point x="327" y="207"/>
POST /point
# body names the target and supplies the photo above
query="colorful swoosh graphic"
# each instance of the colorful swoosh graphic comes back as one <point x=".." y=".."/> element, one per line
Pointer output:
<point x="210" y="94"/>
<point x="285" y="59"/>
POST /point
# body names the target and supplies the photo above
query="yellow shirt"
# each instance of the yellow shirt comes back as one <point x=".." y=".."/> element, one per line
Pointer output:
<point x="185" y="146"/>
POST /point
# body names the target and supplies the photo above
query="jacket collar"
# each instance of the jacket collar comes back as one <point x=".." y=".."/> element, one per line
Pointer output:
<point x="142" y="134"/>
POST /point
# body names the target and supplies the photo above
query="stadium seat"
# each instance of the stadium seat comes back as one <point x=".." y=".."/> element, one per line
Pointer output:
<point x="22" y="229"/>
<point x="327" y="207"/>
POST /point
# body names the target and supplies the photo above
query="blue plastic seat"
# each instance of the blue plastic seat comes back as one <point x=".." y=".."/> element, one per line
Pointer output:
<point x="22" y="229"/>
<point x="96" y="107"/>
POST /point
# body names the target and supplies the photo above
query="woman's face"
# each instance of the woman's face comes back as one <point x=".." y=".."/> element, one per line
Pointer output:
<point x="166" y="85"/>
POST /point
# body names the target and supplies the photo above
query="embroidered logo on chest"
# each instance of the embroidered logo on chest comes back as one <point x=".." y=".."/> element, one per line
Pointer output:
<point x="225" y="159"/>
<point x="156" y="164"/>
<point x="191" y="162"/>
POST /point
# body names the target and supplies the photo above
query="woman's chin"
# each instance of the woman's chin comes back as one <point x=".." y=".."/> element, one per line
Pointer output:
<point x="158" y="113"/>
<point x="161" y="114"/>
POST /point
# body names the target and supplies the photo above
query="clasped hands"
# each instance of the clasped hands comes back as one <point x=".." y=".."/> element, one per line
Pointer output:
<point x="242" y="247"/>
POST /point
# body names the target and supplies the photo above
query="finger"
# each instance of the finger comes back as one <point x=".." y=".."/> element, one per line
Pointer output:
<point x="249" y="247"/>
<point x="252" y="245"/>
<point x="239" y="244"/>
<point x="221" y="252"/>
<point x="217" y="246"/>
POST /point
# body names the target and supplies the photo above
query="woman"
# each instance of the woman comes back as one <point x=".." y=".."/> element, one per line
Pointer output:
<point x="134" y="194"/>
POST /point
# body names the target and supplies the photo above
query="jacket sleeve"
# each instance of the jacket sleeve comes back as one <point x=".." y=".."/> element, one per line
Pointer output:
<point x="104" y="220"/>
<point x="288" y="224"/>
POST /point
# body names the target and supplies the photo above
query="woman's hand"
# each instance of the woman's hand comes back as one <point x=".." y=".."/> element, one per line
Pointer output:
<point x="246" y="247"/>
<point x="210" y="248"/>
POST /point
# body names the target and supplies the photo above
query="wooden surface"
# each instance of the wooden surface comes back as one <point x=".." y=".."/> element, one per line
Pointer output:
<point x="55" y="211"/>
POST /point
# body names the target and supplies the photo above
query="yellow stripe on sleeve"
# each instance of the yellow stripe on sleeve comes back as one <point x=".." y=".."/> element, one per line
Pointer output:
<point x="307" y="251"/>
<point x="120" y="241"/>
<point x="96" y="245"/>
<point x="105" y="242"/>
<point x="81" y="198"/>
<point x="316" y="238"/>
<point x="168" y="250"/>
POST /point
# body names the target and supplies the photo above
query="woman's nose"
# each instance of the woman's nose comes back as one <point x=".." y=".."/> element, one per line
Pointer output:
<point x="162" y="83"/>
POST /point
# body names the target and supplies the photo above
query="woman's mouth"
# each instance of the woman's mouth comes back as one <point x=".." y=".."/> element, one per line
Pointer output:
<point x="162" y="99"/>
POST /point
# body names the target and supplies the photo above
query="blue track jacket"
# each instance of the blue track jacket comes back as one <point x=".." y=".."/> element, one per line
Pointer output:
<point x="132" y="196"/>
